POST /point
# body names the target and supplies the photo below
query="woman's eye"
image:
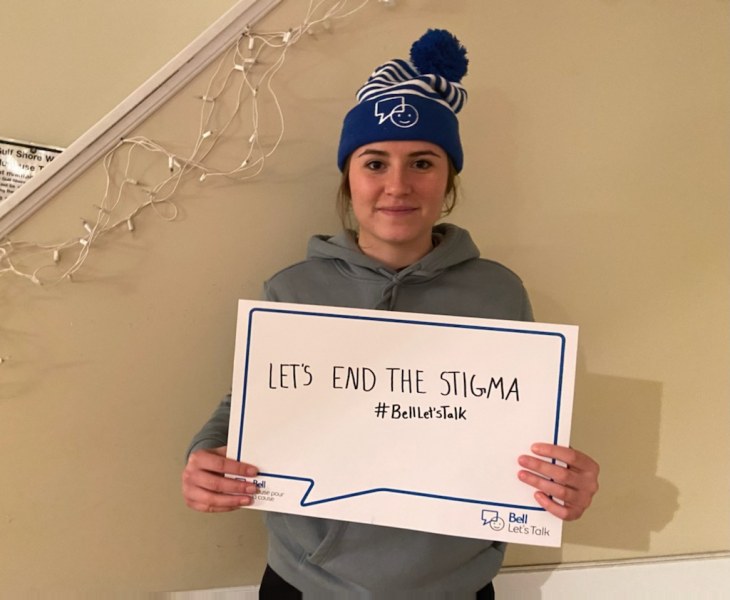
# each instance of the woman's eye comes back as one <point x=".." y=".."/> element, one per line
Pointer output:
<point x="422" y="164"/>
<point x="374" y="165"/>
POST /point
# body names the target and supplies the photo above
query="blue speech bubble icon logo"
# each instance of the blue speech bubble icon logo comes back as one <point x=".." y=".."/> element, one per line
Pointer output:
<point x="395" y="110"/>
<point x="492" y="518"/>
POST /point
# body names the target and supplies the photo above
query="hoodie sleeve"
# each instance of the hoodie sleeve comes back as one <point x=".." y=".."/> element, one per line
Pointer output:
<point x="215" y="432"/>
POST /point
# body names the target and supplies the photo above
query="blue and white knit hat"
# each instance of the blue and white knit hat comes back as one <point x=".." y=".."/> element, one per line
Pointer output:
<point x="412" y="100"/>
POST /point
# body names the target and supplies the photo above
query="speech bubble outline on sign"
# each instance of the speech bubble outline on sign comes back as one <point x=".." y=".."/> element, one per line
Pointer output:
<point x="344" y="406"/>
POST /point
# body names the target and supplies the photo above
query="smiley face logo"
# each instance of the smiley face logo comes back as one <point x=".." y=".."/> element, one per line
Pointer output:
<point x="407" y="116"/>
<point x="492" y="518"/>
<point x="396" y="111"/>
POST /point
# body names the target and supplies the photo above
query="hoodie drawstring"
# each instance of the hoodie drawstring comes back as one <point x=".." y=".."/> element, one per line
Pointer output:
<point x="389" y="295"/>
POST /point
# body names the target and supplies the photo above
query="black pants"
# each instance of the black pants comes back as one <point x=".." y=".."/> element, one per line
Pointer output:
<point x="274" y="587"/>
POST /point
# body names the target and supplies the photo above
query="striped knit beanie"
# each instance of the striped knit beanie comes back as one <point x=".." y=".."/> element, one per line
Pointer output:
<point x="414" y="99"/>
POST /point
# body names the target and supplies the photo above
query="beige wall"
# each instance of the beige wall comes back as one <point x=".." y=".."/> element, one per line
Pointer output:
<point x="596" y="142"/>
<point x="66" y="64"/>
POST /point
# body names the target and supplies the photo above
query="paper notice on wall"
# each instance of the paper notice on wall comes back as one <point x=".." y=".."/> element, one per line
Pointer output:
<point x="19" y="161"/>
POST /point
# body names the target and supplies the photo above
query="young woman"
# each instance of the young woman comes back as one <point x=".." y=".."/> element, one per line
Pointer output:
<point x="399" y="154"/>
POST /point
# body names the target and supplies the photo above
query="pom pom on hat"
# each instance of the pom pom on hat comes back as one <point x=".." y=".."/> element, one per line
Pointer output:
<point x="439" y="52"/>
<point x="415" y="99"/>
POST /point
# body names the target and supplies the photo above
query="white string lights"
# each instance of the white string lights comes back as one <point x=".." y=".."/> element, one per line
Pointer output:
<point x="241" y="85"/>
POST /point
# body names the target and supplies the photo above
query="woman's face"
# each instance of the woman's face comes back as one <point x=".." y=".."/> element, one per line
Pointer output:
<point x="397" y="191"/>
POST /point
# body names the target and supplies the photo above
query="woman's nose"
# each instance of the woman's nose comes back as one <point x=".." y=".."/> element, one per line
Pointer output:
<point x="398" y="183"/>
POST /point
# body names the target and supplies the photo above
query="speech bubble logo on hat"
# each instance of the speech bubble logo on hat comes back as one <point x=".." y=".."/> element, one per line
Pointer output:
<point x="396" y="111"/>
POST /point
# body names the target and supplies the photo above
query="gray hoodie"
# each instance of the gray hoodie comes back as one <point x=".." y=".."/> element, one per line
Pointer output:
<point x="326" y="558"/>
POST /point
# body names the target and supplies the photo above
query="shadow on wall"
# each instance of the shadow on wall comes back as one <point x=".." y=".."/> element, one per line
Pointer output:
<point x="616" y="420"/>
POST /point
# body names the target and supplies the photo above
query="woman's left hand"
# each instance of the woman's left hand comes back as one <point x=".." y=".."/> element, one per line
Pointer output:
<point x="574" y="484"/>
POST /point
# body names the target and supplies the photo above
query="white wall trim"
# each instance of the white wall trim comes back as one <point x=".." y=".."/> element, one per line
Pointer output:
<point x="698" y="576"/>
<point x="154" y="92"/>
<point x="602" y="564"/>
<point x="701" y="576"/>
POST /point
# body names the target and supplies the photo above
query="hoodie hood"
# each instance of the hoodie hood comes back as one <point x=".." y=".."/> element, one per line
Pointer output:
<point x="449" y="280"/>
<point x="452" y="246"/>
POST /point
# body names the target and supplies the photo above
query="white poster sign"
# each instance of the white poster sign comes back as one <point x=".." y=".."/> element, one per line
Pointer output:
<point x="19" y="161"/>
<point x="400" y="419"/>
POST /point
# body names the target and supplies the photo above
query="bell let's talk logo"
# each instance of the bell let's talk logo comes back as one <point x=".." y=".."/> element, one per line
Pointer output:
<point x="395" y="110"/>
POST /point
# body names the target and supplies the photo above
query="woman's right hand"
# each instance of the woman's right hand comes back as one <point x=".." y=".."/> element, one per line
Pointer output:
<point x="205" y="486"/>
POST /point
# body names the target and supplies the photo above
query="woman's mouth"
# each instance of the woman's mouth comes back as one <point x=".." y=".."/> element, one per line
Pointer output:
<point x="397" y="210"/>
